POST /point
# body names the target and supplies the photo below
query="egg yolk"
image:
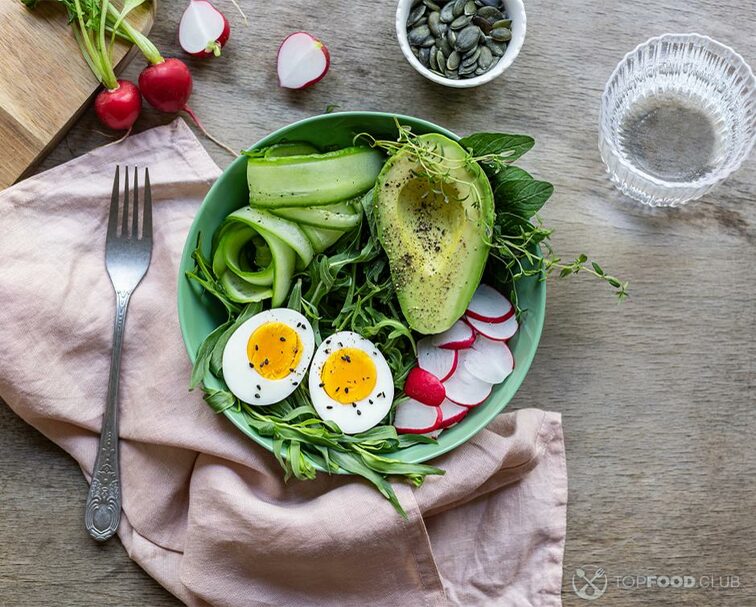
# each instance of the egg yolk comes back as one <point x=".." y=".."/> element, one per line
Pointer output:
<point x="348" y="375"/>
<point x="274" y="350"/>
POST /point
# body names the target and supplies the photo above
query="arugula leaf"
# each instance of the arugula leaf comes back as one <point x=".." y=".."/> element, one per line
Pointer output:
<point x="503" y="146"/>
<point x="204" y="354"/>
<point x="219" y="400"/>
<point x="216" y="357"/>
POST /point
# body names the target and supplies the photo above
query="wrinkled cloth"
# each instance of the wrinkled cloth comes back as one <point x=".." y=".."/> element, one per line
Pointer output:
<point x="205" y="510"/>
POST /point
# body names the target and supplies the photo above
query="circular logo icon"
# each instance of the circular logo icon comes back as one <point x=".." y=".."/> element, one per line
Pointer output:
<point x="589" y="582"/>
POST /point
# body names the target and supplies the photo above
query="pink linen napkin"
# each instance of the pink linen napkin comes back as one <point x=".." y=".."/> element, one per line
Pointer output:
<point x="206" y="511"/>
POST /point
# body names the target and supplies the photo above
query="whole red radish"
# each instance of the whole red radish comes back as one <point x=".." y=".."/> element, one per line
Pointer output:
<point x="203" y="30"/>
<point x="167" y="85"/>
<point x="302" y="61"/>
<point x="119" y="108"/>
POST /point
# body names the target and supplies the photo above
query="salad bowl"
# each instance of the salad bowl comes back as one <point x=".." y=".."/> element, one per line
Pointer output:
<point x="199" y="313"/>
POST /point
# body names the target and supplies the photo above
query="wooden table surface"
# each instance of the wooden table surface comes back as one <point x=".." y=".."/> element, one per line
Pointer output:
<point x="657" y="394"/>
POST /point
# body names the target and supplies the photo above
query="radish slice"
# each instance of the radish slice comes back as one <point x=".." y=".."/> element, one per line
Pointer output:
<point x="425" y="387"/>
<point x="439" y="361"/>
<point x="489" y="305"/>
<point x="413" y="417"/>
<point x="434" y="433"/>
<point x="499" y="331"/>
<point x="451" y="413"/>
<point x="465" y="389"/>
<point x="203" y="30"/>
<point x="459" y="336"/>
<point x="488" y="360"/>
<point x="302" y="61"/>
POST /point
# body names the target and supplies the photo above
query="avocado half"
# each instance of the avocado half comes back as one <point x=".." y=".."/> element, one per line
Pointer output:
<point x="435" y="234"/>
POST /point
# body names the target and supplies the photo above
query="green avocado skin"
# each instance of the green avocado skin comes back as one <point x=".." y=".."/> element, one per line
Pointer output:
<point x="437" y="245"/>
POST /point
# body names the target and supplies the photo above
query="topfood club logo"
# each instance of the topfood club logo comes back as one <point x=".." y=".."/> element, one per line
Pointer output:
<point x="589" y="582"/>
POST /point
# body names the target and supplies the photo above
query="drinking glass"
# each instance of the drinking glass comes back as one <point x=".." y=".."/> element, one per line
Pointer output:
<point x="678" y="116"/>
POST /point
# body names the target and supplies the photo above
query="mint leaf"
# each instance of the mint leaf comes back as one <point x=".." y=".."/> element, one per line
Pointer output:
<point x="516" y="192"/>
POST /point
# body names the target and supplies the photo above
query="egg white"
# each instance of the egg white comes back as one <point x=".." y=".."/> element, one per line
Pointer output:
<point x="373" y="408"/>
<point x="245" y="382"/>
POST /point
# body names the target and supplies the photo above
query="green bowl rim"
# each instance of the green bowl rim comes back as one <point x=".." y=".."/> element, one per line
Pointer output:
<point x="480" y="421"/>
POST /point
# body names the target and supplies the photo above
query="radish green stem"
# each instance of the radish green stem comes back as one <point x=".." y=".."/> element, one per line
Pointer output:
<point x="109" y="78"/>
<point x="149" y="50"/>
<point x="88" y="46"/>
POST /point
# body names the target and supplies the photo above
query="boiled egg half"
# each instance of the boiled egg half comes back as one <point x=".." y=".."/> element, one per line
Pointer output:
<point x="267" y="357"/>
<point x="350" y="382"/>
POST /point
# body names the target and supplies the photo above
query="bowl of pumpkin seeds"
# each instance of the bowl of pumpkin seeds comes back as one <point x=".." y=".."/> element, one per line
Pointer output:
<point x="460" y="43"/>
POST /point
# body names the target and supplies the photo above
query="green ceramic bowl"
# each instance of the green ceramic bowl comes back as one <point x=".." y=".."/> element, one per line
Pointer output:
<point x="199" y="314"/>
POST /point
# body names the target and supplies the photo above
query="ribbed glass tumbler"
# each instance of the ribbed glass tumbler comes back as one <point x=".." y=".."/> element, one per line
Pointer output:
<point x="678" y="116"/>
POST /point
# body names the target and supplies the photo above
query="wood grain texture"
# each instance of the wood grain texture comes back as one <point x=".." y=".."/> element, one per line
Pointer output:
<point x="657" y="395"/>
<point x="43" y="85"/>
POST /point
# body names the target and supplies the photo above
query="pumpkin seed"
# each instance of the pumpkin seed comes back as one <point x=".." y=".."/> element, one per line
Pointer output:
<point x="485" y="58"/>
<point x="447" y="13"/>
<point x="432" y="5"/>
<point x="434" y="23"/>
<point x="467" y="38"/>
<point x="452" y="63"/>
<point x="464" y="71"/>
<point x="471" y="56"/>
<point x="418" y="35"/>
<point x="495" y="3"/>
<point x="470" y="8"/>
<point x="460" y="22"/>
<point x="451" y="37"/>
<point x="440" y="60"/>
<point x="452" y="75"/>
<point x="482" y="23"/>
<point x="458" y="7"/>
<point x="503" y="23"/>
<point x="491" y="13"/>
<point x="480" y="71"/>
<point x="443" y="45"/>
<point x="501" y="34"/>
<point x="439" y="73"/>
<point x="415" y="3"/>
<point x="415" y="14"/>
<point x="428" y="41"/>
<point x="432" y="63"/>
<point x="415" y="51"/>
<point x="424" y="56"/>
<point x="497" y="50"/>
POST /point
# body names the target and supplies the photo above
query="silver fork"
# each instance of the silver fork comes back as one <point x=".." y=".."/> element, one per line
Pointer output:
<point x="127" y="257"/>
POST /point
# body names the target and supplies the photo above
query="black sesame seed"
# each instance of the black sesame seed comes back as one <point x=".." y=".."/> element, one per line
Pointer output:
<point x="346" y="390"/>
<point x="329" y="406"/>
<point x="370" y="400"/>
<point x="257" y="347"/>
<point x="251" y="365"/>
<point x="321" y="385"/>
<point x="359" y="412"/>
<point x="337" y="389"/>
<point x="291" y="370"/>
<point x="258" y="387"/>
<point x="354" y="405"/>
<point x="340" y="344"/>
<point x="257" y="396"/>
<point x="282" y="338"/>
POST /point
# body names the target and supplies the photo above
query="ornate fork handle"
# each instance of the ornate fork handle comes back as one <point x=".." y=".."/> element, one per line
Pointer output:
<point x="103" y="508"/>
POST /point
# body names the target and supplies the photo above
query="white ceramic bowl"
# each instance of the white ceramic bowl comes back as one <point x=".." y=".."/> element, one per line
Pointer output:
<point x="515" y="11"/>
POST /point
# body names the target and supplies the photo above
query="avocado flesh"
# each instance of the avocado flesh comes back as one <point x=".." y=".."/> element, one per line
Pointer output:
<point x="436" y="245"/>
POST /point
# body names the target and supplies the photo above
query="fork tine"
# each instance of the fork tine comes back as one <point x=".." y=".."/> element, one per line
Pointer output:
<point x="135" y="219"/>
<point x="125" y="219"/>
<point x="113" y="217"/>
<point x="147" y="220"/>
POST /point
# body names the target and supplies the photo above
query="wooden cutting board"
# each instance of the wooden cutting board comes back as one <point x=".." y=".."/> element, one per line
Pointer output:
<point x="44" y="82"/>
